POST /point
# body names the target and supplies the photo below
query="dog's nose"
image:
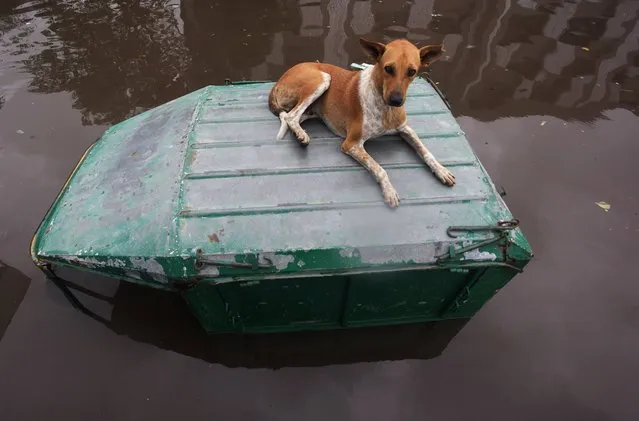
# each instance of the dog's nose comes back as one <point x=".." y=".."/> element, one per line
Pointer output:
<point x="395" y="99"/>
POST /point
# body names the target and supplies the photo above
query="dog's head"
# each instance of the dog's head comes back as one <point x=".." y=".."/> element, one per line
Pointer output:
<point x="397" y="63"/>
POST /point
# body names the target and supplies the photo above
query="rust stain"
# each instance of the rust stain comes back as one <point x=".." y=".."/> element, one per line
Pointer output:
<point x="215" y="237"/>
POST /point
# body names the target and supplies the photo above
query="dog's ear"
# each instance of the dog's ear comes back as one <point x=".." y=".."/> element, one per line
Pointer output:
<point x="430" y="53"/>
<point x="372" y="48"/>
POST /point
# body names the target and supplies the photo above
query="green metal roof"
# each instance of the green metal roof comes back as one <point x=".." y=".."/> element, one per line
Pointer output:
<point x="204" y="177"/>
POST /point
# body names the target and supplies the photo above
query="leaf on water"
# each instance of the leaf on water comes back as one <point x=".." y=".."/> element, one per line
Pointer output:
<point x="585" y="48"/>
<point x="543" y="123"/>
<point x="603" y="205"/>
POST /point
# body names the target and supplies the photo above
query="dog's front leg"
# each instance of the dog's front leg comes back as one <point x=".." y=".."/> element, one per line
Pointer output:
<point x="409" y="135"/>
<point x="354" y="147"/>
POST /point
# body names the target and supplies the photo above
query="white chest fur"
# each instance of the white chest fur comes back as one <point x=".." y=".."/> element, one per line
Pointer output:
<point x="373" y="106"/>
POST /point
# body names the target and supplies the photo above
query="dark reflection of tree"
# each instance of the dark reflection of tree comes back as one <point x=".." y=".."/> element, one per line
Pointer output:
<point x="14" y="29"/>
<point x="228" y="39"/>
<point x="7" y="7"/>
<point x="116" y="57"/>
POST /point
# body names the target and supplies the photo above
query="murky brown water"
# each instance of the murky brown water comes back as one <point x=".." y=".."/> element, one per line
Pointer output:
<point x="547" y="92"/>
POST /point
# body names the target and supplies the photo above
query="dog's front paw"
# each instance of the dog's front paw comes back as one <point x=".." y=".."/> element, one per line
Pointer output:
<point x="390" y="195"/>
<point x="445" y="176"/>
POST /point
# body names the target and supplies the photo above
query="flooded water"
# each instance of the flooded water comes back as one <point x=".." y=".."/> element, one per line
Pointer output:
<point x="547" y="92"/>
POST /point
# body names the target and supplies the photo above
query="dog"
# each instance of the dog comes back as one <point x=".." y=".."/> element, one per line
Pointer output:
<point x="358" y="105"/>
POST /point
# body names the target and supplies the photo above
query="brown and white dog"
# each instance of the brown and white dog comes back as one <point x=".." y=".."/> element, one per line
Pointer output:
<point x="358" y="105"/>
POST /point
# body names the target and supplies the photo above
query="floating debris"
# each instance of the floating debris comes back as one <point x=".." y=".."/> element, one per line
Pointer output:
<point x="603" y="205"/>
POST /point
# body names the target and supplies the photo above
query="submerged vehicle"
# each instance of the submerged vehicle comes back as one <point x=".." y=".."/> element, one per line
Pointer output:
<point x="198" y="197"/>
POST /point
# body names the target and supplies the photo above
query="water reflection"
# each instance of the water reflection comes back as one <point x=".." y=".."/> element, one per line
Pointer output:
<point x="167" y="323"/>
<point x="163" y="319"/>
<point x="227" y="39"/>
<point x="13" y="287"/>
<point x="116" y="57"/>
<point x="571" y="59"/>
<point x="15" y="30"/>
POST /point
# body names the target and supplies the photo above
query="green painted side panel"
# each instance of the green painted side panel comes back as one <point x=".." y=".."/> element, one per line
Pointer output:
<point x="271" y="236"/>
<point x="276" y="304"/>
<point x="331" y="302"/>
<point x="208" y="306"/>
<point x="472" y="296"/>
<point x="410" y="296"/>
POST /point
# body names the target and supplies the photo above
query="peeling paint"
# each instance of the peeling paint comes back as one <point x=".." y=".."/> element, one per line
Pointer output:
<point x="82" y="261"/>
<point x="480" y="255"/>
<point x="118" y="263"/>
<point x="93" y="262"/>
<point x="348" y="252"/>
<point x="280" y="261"/>
<point x="151" y="266"/>
<point x="476" y="254"/>
<point x="212" y="271"/>
<point x="412" y="253"/>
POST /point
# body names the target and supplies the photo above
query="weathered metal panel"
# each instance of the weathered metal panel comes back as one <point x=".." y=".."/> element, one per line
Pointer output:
<point x="118" y="210"/>
<point x="279" y="157"/>
<point x="272" y="189"/>
<point x="199" y="191"/>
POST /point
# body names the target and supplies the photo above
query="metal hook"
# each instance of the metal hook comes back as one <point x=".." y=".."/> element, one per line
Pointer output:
<point x="201" y="261"/>
<point x="501" y="226"/>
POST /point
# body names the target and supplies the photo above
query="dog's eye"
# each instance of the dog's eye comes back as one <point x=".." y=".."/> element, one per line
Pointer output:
<point x="390" y="70"/>
<point x="411" y="72"/>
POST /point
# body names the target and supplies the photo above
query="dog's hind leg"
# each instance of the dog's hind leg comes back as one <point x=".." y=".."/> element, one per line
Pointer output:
<point x="283" y="125"/>
<point x="315" y="86"/>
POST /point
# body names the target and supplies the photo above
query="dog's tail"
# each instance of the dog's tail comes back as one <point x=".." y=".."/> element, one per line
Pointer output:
<point x="278" y="110"/>
<point x="283" y="125"/>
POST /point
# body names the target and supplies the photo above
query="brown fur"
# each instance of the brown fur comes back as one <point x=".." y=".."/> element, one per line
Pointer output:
<point x="301" y="80"/>
<point x="339" y="105"/>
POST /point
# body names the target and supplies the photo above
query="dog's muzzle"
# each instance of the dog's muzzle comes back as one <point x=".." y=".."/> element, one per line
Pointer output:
<point x="396" y="99"/>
